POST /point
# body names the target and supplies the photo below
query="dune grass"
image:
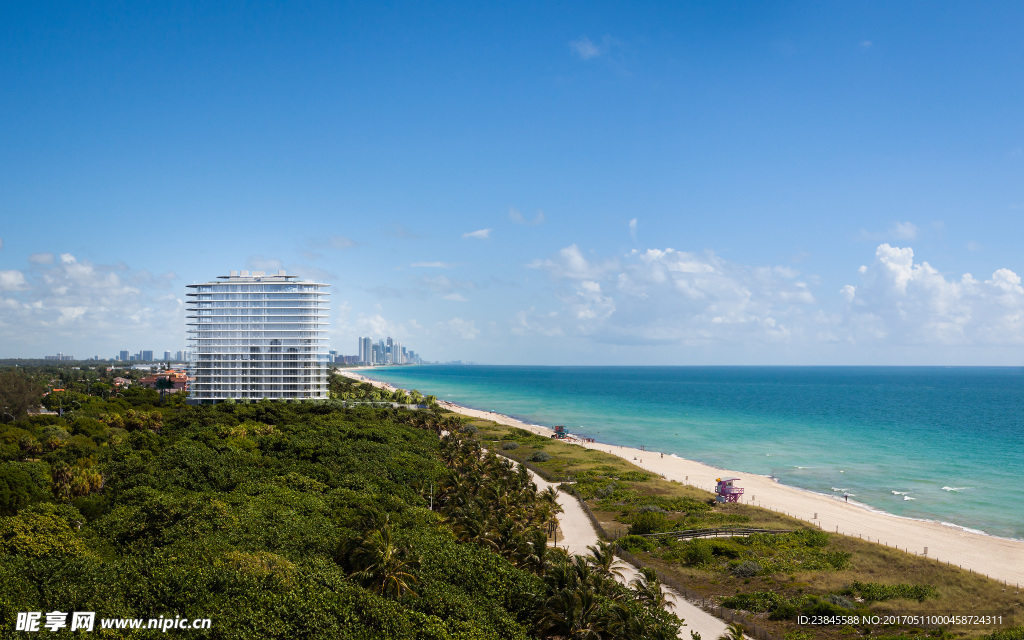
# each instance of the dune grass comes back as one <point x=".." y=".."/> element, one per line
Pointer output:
<point x="618" y="491"/>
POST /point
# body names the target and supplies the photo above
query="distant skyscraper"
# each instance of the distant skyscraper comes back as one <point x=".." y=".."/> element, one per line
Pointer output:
<point x="147" y="355"/>
<point x="123" y="357"/>
<point x="167" y="356"/>
<point x="256" y="336"/>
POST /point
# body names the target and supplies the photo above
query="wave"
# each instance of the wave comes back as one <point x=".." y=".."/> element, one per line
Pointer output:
<point x="838" y="489"/>
<point x="908" y="498"/>
<point x="963" y="528"/>
<point x="954" y="488"/>
<point x="900" y="493"/>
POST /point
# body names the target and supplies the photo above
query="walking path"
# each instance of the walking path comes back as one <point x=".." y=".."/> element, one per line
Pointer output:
<point x="578" y="533"/>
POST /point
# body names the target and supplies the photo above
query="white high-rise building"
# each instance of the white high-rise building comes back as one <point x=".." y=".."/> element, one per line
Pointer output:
<point x="256" y="336"/>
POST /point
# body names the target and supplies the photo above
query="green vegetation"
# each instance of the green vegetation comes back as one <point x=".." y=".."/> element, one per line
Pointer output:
<point x="351" y="390"/>
<point x="293" y="520"/>
<point x="773" y="577"/>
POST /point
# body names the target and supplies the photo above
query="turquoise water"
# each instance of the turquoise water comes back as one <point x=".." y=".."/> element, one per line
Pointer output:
<point x="942" y="444"/>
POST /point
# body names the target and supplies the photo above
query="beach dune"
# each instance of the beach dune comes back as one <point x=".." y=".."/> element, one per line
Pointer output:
<point x="998" y="558"/>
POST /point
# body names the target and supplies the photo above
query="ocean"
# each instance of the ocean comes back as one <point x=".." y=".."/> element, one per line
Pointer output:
<point x="942" y="444"/>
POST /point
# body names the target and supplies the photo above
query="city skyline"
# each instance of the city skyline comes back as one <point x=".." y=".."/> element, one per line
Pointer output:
<point x="671" y="183"/>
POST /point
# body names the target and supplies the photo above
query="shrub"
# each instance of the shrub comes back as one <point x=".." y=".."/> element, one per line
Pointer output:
<point x="650" y="508"/>
<point x="634" y="476"/>
<point x="468" y="429"/>
<point x="539" y="456"/>
<point x="606" y="491"/>
<point x="875" y="592"/>
<point x="648" y="522"/>
<point x="697" y="552"/>
<point x="634" y="544"/>
<point x="785" y="611"/>
<point x="819" y="607"/>
<point x="757" y="602"/>
<point x="840" y="601"/>
<point x="747" y="569"/>
<point x="508" y="445"/>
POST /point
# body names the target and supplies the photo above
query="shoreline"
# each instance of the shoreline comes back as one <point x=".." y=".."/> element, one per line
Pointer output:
<point x="992" y="556"/>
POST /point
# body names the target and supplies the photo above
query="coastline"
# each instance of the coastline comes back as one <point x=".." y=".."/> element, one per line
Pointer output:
<point x="995" y="557"/>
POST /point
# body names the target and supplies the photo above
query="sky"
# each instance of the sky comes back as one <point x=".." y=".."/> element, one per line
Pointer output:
<point x="615" y="183"/>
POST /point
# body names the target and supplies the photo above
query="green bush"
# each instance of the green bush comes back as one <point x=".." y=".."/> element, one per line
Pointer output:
<point x="539" y="456"/>
<point x="633" y="544"/>
<point x="747" y="569"/>
<point x="757" y="602"/>
<point x="508" y="445"/>
<point x="697" y="553"/>
<point x="648" y="522"/>
<point x="875" y="592"/>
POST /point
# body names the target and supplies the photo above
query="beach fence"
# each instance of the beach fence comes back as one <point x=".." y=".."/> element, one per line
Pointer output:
<point x="752" y="628"/>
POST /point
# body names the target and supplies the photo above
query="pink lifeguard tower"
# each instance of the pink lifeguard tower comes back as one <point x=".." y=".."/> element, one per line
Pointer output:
<point x="725" y="490"/>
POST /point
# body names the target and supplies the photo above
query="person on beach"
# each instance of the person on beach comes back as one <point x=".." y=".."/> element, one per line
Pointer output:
<point x="846" y="497"/>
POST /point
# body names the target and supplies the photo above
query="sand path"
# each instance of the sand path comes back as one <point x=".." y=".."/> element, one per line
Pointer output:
<point x="998" y="558"/>
<point x="578" y="533"/>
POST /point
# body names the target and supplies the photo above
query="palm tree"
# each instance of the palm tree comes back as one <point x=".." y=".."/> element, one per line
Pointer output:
<point x="385" y="569"/>
<point x="733" y="632"/>
<point x="648" y="589"/>
<point x="606" y="565"/>
<point x="573" y="615"/>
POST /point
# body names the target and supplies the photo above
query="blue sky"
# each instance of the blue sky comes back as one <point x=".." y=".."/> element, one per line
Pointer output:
<point x="545" y="183"/>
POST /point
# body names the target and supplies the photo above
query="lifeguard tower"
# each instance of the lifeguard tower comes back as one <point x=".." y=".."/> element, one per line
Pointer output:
<point x="726" y="491"/>
<point x="559" y="432"/>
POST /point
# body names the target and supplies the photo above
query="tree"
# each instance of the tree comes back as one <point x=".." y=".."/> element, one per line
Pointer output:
<point x="18" y="394"/>
<point x="384" y="567"/>
<point x="733" y="632"/>
<point x="602" y="558"/>
<point x="648" y="589"/>
<point x="19" y="488"/>
<point x="163" y="385"/>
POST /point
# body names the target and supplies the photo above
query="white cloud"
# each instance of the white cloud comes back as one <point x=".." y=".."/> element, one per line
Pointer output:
<point x="904" y="231"/>
<point x="866" y="44"/>
<point x="340" y="242"/>
<point x="479" y="234"/>
<point x="660" y="296"/>
<point x="259" y="263"/>
<point x="585" y="48"/>
<point x="906" y="302"/>
<point x="456" y="297"/>
<point x="896" y="231"/>
<point x="61" y="304"/>
<point x="433" y="265"/>
<point x="460" y="328"/>
<point x="570" y="263"/>
<point x="12" y="280"/>
<point x="529" y="323"/>
<point x="632" y="228"/>
<point x="518" y="218"/>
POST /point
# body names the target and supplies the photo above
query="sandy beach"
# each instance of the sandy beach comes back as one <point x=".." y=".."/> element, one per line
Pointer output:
<point x="998" y="558"/>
